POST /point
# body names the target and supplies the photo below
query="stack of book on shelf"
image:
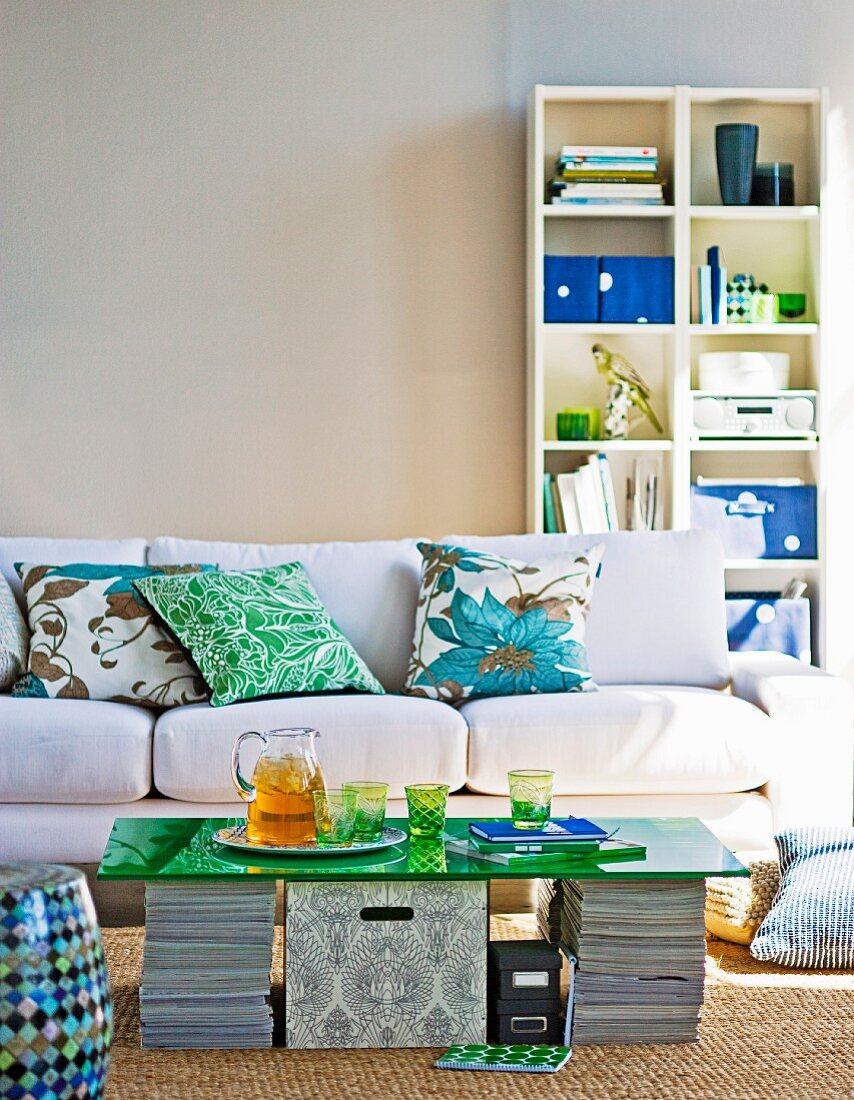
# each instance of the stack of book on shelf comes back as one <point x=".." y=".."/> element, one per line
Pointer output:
<point x="641" y="958"/>
<point x="206" y="970"/>
<point x="556" y="845"/>
<point x="709" y="290"/>
<point x="607" y="175"/>
<point x="582" y="502"/>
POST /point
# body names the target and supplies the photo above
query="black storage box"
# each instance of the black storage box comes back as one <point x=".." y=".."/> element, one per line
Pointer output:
<point x="533" y="1021"/>
<point x="523" y="970"/>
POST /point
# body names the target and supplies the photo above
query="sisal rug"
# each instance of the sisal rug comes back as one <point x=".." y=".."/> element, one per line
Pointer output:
<point x="766" y="1032"/>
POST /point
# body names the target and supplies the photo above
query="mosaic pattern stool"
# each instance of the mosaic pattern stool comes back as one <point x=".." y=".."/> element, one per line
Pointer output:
<point x="55" y="1006"/>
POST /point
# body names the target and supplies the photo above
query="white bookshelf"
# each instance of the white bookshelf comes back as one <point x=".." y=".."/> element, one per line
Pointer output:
<point x="782" y="246"/>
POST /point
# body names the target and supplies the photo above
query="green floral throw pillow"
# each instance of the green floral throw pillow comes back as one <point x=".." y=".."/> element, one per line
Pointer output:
<point x="258" y="632"/>
<point x="487" y="625"/>
<point x="93" y="637"/>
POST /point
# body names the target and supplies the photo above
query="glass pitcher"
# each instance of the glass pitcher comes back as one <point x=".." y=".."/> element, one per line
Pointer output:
<point x="280" y="796"/>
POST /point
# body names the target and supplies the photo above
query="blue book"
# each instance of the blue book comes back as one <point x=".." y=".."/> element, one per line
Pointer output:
<point x="549" y="517"/>
<point x="718" y="283"/>
<point x="560" y="829"/>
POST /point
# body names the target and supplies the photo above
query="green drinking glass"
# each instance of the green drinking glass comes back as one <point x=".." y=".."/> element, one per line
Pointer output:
<point x="530" y="798"/>
<point x="427" y="803"/>
<point x="335" y="817"/>
<point x="370" y="807"/>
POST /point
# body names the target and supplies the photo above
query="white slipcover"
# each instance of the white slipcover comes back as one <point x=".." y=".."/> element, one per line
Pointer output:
<point x="657" y="614"/>
<point x="73" y="750"/>
<point x="622" y="740"/>
<point x="393" y="738"/>
<point x="369" y="588"/>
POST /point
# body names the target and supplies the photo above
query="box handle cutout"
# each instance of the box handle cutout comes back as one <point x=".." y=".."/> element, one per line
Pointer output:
<point x="387" y="912"/>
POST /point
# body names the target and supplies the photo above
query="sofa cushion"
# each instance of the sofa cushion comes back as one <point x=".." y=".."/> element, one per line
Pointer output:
<point x="488" y="625"/>
<point x="658" y="615"/>
<point x="94" y="637"/>
<point x="392" y="738"/>
<point x="258" y="632"/>
<point x="622" y="740"/>
<point x="369" y="588"/>
<point x="14" y="638"/>
<point x="73" y="750"/>
<point x="63" y="551"/>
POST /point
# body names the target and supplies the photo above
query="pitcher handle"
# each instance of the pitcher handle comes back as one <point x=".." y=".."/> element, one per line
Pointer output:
<point x="245" y="789"/>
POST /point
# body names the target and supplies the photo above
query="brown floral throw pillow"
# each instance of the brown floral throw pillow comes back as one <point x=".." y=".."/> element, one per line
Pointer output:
<point x="94" y="637"/>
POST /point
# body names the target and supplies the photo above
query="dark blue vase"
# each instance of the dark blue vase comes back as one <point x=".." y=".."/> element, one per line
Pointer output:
<point x="735" y="145"/>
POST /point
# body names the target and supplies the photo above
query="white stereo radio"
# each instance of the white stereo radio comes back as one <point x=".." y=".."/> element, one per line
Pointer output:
<point x="790" y="414"/>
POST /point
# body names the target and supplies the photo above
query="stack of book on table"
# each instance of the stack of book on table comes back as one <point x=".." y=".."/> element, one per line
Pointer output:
<point x="206" y="971"/>
<point x="641" y="958"/>
<point x="558" y="844"/>
<point x="607" y="175"/>
<point x="582" y="502"/>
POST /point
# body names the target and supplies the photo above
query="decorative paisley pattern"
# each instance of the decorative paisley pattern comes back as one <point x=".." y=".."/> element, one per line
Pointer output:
<point x="258" y="632"/>
<point x="487" y="625"/>
<point x="93" y="637"/>
<point x="382" y="983"/>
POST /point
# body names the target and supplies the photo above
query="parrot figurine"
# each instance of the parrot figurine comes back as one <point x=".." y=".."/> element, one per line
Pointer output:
<point x="622" y="376"/>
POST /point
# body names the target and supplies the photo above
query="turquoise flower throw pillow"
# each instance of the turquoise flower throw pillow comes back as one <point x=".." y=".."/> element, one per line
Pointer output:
<point x="487" y="625"/>
<point x="258" y="632"/>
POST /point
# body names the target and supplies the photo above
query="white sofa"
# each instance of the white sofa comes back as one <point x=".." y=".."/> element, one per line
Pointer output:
<point x="677" y="728"/>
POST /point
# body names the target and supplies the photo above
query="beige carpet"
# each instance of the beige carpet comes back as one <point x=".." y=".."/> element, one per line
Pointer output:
<point x="766" y="1032"/>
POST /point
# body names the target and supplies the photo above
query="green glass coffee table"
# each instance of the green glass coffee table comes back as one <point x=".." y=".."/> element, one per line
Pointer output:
<point x="389" y="949"/>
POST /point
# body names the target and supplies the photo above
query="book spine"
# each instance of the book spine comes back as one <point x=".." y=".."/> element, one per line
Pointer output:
<point x="609" y="493"/>
<point x="645" y="151"/>
<point x="549" y="520"/>
<point x="704" y="275"/>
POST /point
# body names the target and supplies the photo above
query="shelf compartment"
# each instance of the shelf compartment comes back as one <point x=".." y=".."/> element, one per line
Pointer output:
<point x="755" y="213"/>
<point x="608" y="446"/>
<point x="789" y="124"/>
<point x="565" y="210"/>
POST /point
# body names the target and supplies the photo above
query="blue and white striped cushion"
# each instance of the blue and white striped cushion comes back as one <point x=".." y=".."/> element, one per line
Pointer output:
<point x="811" y="923"/>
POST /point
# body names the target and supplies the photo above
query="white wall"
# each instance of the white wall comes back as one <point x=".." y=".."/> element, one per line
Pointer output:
<point x="262" y="260"/>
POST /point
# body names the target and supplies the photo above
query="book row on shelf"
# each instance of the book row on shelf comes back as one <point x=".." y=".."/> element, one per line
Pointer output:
<point x="606" y="175"/>
<point x="584" y="501"/>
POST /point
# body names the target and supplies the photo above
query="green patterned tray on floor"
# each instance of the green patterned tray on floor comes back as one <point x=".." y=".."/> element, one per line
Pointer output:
<point x="519" y="1058"/>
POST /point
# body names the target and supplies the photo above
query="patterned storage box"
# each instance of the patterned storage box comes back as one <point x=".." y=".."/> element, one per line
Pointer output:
<point x="636" y="289"/>
<point x="385" y="964"/>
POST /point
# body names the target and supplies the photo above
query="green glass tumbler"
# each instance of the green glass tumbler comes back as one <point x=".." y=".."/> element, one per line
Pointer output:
<point x="530" y="798"/>
<point x="334" y="817"/>
<point x="370" y="807"/>
<point x="427" y="803"/>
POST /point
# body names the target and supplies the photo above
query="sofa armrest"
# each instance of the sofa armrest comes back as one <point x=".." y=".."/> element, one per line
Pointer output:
<point x="814" y="714"/>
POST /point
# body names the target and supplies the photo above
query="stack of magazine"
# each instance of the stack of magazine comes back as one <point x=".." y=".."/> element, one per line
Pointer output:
<point x="641" y="956"/>
<point x="206" y="970"/>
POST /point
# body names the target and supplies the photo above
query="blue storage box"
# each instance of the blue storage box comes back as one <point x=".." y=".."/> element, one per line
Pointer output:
<point x="636" y="289"/>
<point x="758" y="521"/>
<point x="782" y="626"/>
<point x="571" y="286"/>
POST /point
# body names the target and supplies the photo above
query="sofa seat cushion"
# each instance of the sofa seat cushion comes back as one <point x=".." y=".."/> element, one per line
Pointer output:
<point x="393" y="738"/>
<point x="622" y="740"/>
<point x="73" y="751"/>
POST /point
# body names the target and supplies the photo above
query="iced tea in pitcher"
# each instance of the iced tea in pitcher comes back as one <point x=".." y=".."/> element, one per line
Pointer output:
<point x="280" y="796"/>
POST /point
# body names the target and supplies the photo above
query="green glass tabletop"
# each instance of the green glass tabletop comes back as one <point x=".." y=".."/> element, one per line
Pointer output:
<point x="185" y="848"/>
